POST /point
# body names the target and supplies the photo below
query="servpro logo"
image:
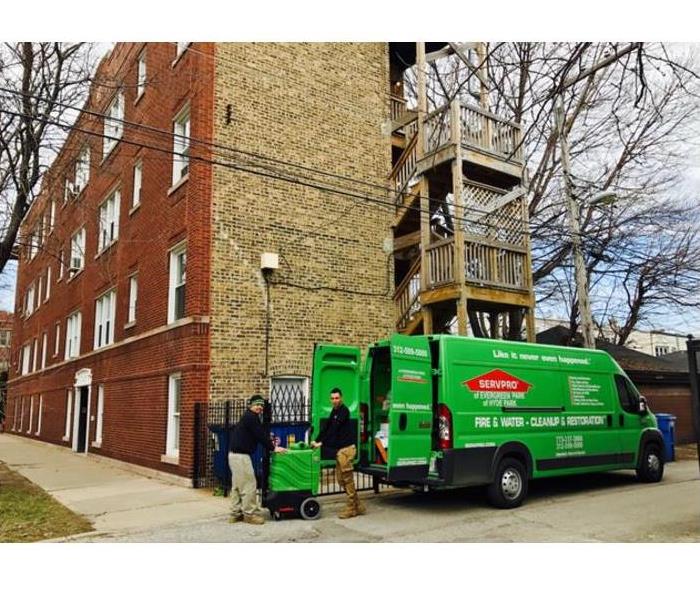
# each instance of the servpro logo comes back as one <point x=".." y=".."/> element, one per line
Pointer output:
<point x="497" y="388"/>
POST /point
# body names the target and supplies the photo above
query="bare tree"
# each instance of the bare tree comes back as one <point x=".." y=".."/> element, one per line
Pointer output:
<point x="38" y="81"/>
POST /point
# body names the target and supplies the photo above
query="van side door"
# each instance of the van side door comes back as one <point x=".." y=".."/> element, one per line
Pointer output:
<point x="410" y="409"/>
<point x="629" y="419"/>
<point x="335" y="366"/>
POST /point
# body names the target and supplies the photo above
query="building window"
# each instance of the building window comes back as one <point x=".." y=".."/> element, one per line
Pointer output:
<point x="57" y="341"/>
<point x="47" y="287"/>
<point x="172" y="442"/>
<point x="30" y="300"/>
<point x="289" y="399"/>
<point x="31" y="414"/>
<point x="26" y="358"/>
<point x="82" y="170"/>
<point x="68" y="190"/>
<point x="661" y="350"/>
<point x="141" y="75"/>
<point x="113" y="124"/>
<point x="38" y="294"/>
<point x="136" y="194"/>
<point x="176" y="296"/>
<point x="52" y="215"/>
<point x="21" y="416"/>
<point x="61" y="263"/>
<point x="44" y="349"/>
<point x="109" y="221"/>
<point x="69" y="411"/>
<point x="77" y="252"/>
<point x="100" y="412"/>
<point x="104" y="319"/>
<point x="181" y="145"/>
<point x="41" y="410"/>
<point x="5" y="335"/>
<point x="73" y="324"/>
<point x="180" y="47"/>
<point x="35" y="353"/>
<point x="133" y="294"/>
<point x="33" y="245"/>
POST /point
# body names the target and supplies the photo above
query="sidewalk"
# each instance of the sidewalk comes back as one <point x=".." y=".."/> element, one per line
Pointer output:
<point x="113" y="499"/>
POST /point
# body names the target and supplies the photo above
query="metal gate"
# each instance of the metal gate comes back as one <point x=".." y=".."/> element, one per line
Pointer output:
<point x="693" y="370"/>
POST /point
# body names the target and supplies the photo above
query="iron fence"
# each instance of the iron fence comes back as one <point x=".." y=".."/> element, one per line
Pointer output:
<point x="287" y="415"/>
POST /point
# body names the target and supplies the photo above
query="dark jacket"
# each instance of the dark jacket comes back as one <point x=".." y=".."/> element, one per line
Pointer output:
<point x="248" y="433"/>
<point x="337" y="431"/>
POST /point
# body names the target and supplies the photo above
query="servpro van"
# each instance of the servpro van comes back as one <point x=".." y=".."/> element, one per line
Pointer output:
<point x="446" y="411"/>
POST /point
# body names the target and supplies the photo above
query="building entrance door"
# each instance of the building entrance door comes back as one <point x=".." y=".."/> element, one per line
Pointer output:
<point x="82" y="418"/>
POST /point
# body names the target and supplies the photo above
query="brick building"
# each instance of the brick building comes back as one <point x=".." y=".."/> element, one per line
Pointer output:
<point x="140" y="291"/>
<point x="113" y="344"/>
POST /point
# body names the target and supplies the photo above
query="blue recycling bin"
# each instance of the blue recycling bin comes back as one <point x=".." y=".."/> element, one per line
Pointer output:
<point x="667" y="425"/>
<point x="219" y="461"/>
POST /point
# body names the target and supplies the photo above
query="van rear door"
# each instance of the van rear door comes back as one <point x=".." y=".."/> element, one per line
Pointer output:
<point x="410" y="409"/>
<point x="334" y="366"/>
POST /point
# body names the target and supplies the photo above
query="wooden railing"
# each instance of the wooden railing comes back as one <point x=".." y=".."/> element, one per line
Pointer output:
<point x="441" y="261"/>
<point x="397" y="106"/>
<point x="404" y="169"/>
<point x="489" y="132"/>
<point x="436" y="128"/>
<point x="497" y="265"/>
<point x="407" y="295"/>
<point x="478" y="128"/>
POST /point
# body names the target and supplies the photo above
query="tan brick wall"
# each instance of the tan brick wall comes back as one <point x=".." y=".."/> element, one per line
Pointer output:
<point x="324" y="106"/>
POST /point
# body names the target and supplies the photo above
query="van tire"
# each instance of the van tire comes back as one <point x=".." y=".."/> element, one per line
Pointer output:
<point x="509" y="486"/>
<point x="651" y="464"/>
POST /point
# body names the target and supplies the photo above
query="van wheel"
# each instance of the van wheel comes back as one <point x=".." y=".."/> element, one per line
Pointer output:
<point x="310" y="509"/>
<point x="651" y="467"/>
<point x="509" y="486"/>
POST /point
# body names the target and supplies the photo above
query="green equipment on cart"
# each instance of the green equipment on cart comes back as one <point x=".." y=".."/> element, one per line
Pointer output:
<point x="293" y="481"/>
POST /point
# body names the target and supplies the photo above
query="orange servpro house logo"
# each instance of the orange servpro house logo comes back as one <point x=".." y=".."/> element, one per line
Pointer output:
<point x="498" y="388"/>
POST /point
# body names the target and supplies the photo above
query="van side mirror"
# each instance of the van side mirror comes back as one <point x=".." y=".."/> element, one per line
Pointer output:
<point x="643" y="406"/>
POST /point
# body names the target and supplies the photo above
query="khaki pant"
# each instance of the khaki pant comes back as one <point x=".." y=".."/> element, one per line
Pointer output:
<point x="244" y="493"/>
<point x="344" y="472"/>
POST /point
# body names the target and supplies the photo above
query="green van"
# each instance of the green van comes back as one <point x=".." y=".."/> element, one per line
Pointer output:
<point x="442" y="411"/>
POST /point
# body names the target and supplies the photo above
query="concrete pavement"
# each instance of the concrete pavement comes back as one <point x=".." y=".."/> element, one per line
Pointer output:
<point x="606" y="507"/>
<point x="114" y="499"/>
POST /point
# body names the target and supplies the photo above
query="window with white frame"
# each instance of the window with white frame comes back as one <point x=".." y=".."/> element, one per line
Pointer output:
<point x="77" y="252"/>
<point x="69" y="413"/>
<point x="26" y="358"/>
<point x="44" y="349"/>
<point x="40" y="283"/>
<point x="73" y="324"/>
<point x="68" y="190"/>
<point x="21" y="416"/>
<point x="82" y="170"/>
<point x="109" y="220"/>
<point x="176" y="292"/>
<point x="136" y="193"/>
<point x="32" y="244"/>
<point x="181" y="144"/>
<point x="31" y="414"/>
<point x="104" y="319"/>
<point x="35" y="354"/>
<point x="5" y="336"/>
<point x="133" y="295"/>
<point x="100" y="414"/>
<point x="47" y="287"/>
<point x="57" y="340"/>
<point x="141" y="75"/>
<point x="289" y="398"/>
<point x="14" y="415"/>
<point x="172" y="441"/>
<point x="113" y="124"/>
<point x="29" y="299"/>
<point x="61" y="263"/>
<point x="41" y="411"/>
<point x="52" y="215"/>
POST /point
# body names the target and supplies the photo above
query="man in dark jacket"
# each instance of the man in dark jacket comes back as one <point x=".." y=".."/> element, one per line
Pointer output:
<point x="338" y="440"/>
<point x="248" y="433"/>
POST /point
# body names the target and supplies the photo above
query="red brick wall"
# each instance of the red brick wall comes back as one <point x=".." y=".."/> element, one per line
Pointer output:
<point x="135" y="374"/>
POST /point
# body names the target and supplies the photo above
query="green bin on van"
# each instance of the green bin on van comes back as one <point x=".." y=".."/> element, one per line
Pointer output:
<point x="443" y="411"/>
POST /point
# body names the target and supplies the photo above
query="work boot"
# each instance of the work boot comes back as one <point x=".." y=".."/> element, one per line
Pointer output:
<point x="348" y="512"/>
<point x="359" y="506"/>
<point x="253" y="519"/>
<point x="235" y="519"/>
